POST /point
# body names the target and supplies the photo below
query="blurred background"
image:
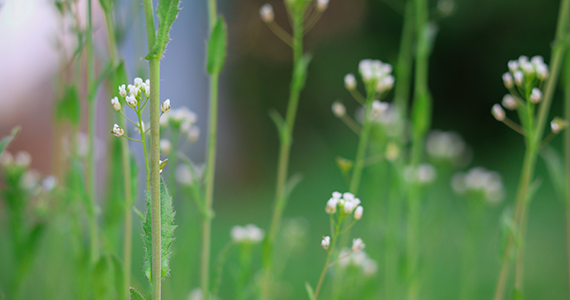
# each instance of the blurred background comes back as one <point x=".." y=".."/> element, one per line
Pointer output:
<point x="472" y="48"/>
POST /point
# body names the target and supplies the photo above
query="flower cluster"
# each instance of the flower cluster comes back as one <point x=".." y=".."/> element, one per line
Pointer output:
<point x="247" y="234"/>
<point x="423" y="174"/>
<point x="442" y="145"/>
<point x="182" y="119"/>
<point x="479" y="180"/>
<point x="17" y="167"/>
<point x="359" y="260"/>
<point x="346" y="204"/>
<point x="377" y="74"/>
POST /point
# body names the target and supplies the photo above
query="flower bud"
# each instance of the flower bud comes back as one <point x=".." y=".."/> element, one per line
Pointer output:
<point x="147" y="90"/>
<point x="379" y="107"/>
<point x="266" y="13"/>
<point x="357" y="245"/>
<point x="118" y="131"/>
<point x="348" y="196"/>
<point x="336" y="195"/>
<point x="519" y="78"/>
<point x="116" y="104"/>
<point x="348" y="207"/>
<point x="326" y="242"/>
<point x="513" y="66"/>
<point x="557" y="125"/>
<point x="122" y="91"/>
<point x="508" y="80"/>
<point x="498" y="112"/>
<point x="138" y="81"/>
<point x="541" y="71"/>
<point x="338" y="109"/>
<point x="535" y="95"/>
<point x="322" y="5"/>
<point x="509" y="102"/>
<point x="331" y="206"/>
<point x="165" y="107"/>
<point x="131" y="100"/>
<point x="349" y="82"/>
<point x="358" y="213"/>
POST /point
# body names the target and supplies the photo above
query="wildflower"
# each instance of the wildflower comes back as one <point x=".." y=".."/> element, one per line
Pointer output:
<point x="331" y="206"/>
<point x="165" y="106"/>
<point x="134" y="90"/>
<point x="266" y="13"/>
<point x="479" y="180"/>
<point x="375" y="71"/>
<point x="349" y="82"/>
<point x="445" y="145"/>
<point x="348" y="196"/>
<point x="508" y="80"/>
<point x="523" y="59"/>
<point x="147" y="89"/>
<point x="118" y="131"/>
<point x="385" y="84"/>
<point x="348" y="207"/>
<point x="338" y="109"/>
<point x="513" y="66"/>
<point x="138" y="81"/>
<point x="519" y="77"/>
<point x="193" y="134"/>
<point x="535" y="95"/>
<point x="131" y="100"/>
<point x="557" y="125"/>
<point x="326" y="242"/>
<point x="498" y="112"/>
<point x="357" y="245"/>
<point x="116" y="104"/>
<point x="322" y="5"/>
<point x="336" y="195"/>
<point x="541" y="71"/>
<point x="165" y="146"/>
<point x="528" y="68"/>
<point x="49" y="183"/>
<point x="23" y="159"/>
<point x="247" y="234"/>
<point x="509" y="102"/>
<point x="122" y="91"/>
<point x="358" y="213"/>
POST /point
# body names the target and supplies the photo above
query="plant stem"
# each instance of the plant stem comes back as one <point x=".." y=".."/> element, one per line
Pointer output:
<point x="145" y="150"/>
<point x="401" y="98"/>
<point x="283" y="164"/>
<point x="475" y="213"/>
<point x="327" y="260"/>
<point x="90" y="166"/>
<point x="567" y="159"/>
<point x="362" y="145"/>
<point x="211" y="167"/>
<point x="154" y="71"/>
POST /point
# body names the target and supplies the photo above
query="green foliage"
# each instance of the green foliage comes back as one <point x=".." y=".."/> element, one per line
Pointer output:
<point x="555" y="167"/>
<point x="107" y="5"/>
<point x="217" y="46"/>
<point x="135" y="295"/>
<point x="310" y="291"/>
<point x="166" y="235"/>
<point x="282" y="128"/>
<point x="69" y="108"/>
<point x="167" y="13"/>
<point x="421" y="114"/>
<point x="5" y="141"/>
<point x="300" y="73"/>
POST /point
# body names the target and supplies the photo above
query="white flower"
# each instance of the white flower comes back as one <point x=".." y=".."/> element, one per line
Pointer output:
<point x="385" y="84"/>
<point x="134" y="90"/>
<point x="116" y="104"/>
<point x="480" y="180"/>
<point x="331" y="206"/>
<point x="375" y="71"/>
<point x="357" y="245"/>
<point x="138" y="81"/>
<point x="49" y="183"/>
<point x="147" y="90"/>
<point x="445" y="145"/>
<point x="348" y="196"/>
<point x="519" y="78"/>
<point x="165" y="107"/>
<point x="498" y="112"/>
<point x="30" y="179"/>
<point x="131" y="100"/>
<point x="266" y="13"/>
<point x="537" y="60"/>
<point x="193" y="134"/>
<point x="122" y="91"/>
<point x="247" y="234"/>
<point x="23" y="159"/>
<point x="379" y="107"/>
<point x="426" y="173"/>
<point x="358" y="213"/>
<point x="527" y="68"/>
<point x="322" y="5"/>
<point x="509" y="102"/>
<point x="349" y="82"/>
<point x="118" y="131"/>
<point x="336" y="195"/>
<point x="147" y="82"/>
<point x="165" y="146"/>
<point x="535" y="95"/>
<point x="508" y="80"/>
<point x="348" y="206"/>
<point x="522" y="59"/>
<point x="326" y="242"/>
<point x="338" y="109"/>
<point x="557" y="125"/>
<point x="513" y="66"/>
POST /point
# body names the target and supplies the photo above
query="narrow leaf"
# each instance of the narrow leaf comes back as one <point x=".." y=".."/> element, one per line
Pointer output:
<point x="68" y="107"/>
<point x="217" y="46"/>
<point x="310" y="291"/>
<point x="282" y="128"/>
<point x="167" y="13"/>
<point x="135" y="295"/>
<point x="300" y="73"/>
<point x="5" y="141"/>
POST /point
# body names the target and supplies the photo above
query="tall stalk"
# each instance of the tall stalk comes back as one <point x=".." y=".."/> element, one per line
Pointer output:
<point x="92" y="120"/>
<point x="401" y="98"/>
<point x="362" y="143"/>
<point x="284" y="154"/>
<point x="154" y="71"/>
<point x="421" y="115"/>
<point x="567" y="159"/>
<point x="534" y="140"/>
<point x="471" y="241"/>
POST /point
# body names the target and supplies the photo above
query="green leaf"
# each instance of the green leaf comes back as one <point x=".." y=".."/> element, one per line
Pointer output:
<point x="555" y="167"/>
<point x="290" y="186"/>
<point x="166" y="232"/>
<point x="69" y="106"/>
<point x="167" y="12"/>
<point x="5" y="141"/>
<point x="217" y="46"/>
<point x="300" y="73"/>
<point x="107" y="6"/>
<point x="95" y="85"/>
<point x="421" y="114"/>
<point x="76" y="183"/>
<point x="135" y="295"/>
<point x="310" y="291"/>
<point x="103" y="279"/>
<point x="119" y="278"/>
<point x="282" y="128"/>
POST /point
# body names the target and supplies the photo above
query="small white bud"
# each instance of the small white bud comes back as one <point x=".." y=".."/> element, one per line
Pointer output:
<point x="498" y="112"/>
<point x="379" y="107"/>
<point x="358" y="213"/>
<point x="348" y="196"/>
<point x="331" y="206"/>
<point x="336" y="195"/>
<point x="23" y="159"/>
<point x="508" y="80"/>
<point x="348" y="206"/>
<point x="266" y="13"/>
<point x="541" y="71"/>
<point x="147" y="90"/>
<point x="535" y="95"/>
<point x="509" y="102"/>
<point x="131" y="100"/>
<point x="357" y="245"/>
<point x="147" y="82"/>
<point x="326" y="242"/>
<point x="322" y="5"/>
<point x="356" y="202"/>
<point x="49" y="183"/>
<point x="165" y="146"/>
<point x="138" y="81"/>
<point x="118" y="131"/>
<point x="350" y="82"/>
<point x="519" y="78"/>
<point x="523" y="59"/>
<point x="193" y="134"/>
<point x="557" y="125"/>
<point x="116" y="104"/>
<point x="122" y="91"/>
<point x="537" y="60"/>
<point x="513" y="65"/>
<point x="338" y="109"/>
<point x="528" y="68"/>
<point x="165" y="107"/>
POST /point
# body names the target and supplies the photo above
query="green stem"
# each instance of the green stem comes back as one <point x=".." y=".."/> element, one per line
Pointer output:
<point x="283" y="164"/>
<point x="145" y="150"/>
<point x="327" y="260"/>
<point x="472" y="236"/>
<point x="362" y="145"/>
<point x="90" y="166"/>
<point x="567" y="159"/>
